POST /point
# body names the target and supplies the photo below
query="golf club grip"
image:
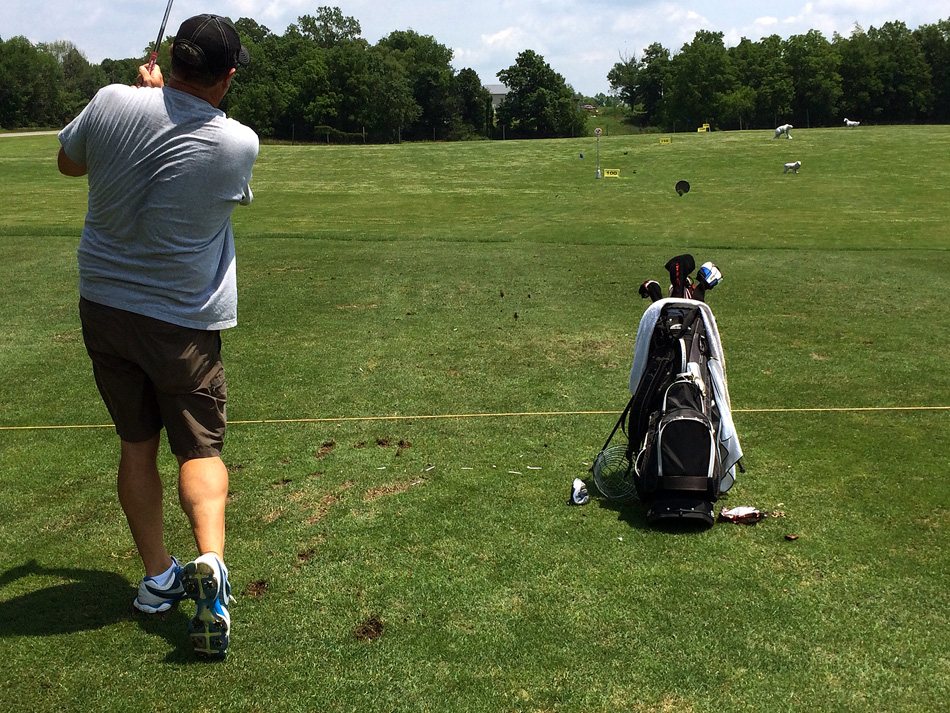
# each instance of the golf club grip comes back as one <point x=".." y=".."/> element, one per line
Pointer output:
<point x="161" y="35"/>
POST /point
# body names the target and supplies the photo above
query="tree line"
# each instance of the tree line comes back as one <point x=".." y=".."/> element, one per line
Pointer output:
<point x="883" y="75"/>
<point x="321" y="81"/>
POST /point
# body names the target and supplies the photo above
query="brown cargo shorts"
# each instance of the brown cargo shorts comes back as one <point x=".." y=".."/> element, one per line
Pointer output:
<point x="153" y="374"/>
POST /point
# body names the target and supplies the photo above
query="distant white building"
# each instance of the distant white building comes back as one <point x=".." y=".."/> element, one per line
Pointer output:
<point x="498" y="93"/>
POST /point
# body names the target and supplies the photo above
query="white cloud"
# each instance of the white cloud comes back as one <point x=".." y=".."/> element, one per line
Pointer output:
<point x="509" y="38"/>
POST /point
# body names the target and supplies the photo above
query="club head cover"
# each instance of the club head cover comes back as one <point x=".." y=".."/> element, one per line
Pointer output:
<point x="679" y="268"/>
<point x="579" y="495"/>
<point x="651" y="289"/>
<point x="709" y="275"/>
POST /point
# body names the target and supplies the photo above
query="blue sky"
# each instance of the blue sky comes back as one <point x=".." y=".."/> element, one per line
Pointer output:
<point x="580" y="39"/>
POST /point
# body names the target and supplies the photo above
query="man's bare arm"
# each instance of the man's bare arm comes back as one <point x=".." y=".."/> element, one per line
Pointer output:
<point x="67" y="166"/>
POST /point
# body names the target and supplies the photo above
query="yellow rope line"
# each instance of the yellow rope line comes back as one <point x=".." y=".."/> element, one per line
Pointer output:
<point x="842" y="408"/>
<point x="427" y="416"/>
<point x="422" y="417"/>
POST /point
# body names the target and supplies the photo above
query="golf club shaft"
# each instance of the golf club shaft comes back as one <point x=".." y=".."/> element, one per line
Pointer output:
<point x="161" y="35"/>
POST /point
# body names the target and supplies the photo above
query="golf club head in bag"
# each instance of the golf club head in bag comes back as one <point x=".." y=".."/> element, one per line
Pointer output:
<point x="651" y="289"/>
<point x="679" y="268"/>
<point x="709" y="275"/>
<point x="707" y="278"/>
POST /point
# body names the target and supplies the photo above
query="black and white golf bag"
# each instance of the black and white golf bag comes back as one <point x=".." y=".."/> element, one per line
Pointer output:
<point x="680" y="418"/>
<point x="682" y="449"/>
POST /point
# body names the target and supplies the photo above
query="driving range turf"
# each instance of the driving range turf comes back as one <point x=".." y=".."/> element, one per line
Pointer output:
<point x="434" y="341"/>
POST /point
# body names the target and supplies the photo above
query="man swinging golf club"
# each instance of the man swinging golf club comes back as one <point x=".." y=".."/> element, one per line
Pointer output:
<point x="166" y="169"/>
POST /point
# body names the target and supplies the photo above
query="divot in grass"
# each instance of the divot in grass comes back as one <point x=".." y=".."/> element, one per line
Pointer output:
<point x="326" y="502"/>
<point x="390" y="489"/>
<point x="255" y="589"/>
<point x="325" y="449"/>
<point x="369" y="629"/>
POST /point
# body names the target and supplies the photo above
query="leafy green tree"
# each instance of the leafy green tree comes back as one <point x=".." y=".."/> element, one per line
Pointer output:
<point x="121" y="71"/>
<point x="624" y="78"/>
<point x="348" y="76"/>
<point x="31" y="86"/>
<point x="640" y="84"/>
<point x="58" y="50"/>
<point x="813" y="65"/>
<point x="471" y="99"/>
<point x="282" y="93"/>
<point x="262" y="92"/>
<point x="393" y="105"/>
<point x="903" y="73"/>
<point x="934" y="42"/>
<point x="776" y="90"/>
<point x="329" y="28"/>
<point x="316" y="103"/>
<point x="654" y="79"/>
<point x="701" y="74"/>
<point x="605" y="100"/>
<point x="311" y="78"/>
<point x="861" y="86"/>
<point x="81" y="80"/>
<point x="316" y="86"/>
<point x="428" y="66"/>
<point x="736" y="107"/>
<point x="251" y="31"/>
<point x="539" y="103"/>
<point x="760" y="68"/>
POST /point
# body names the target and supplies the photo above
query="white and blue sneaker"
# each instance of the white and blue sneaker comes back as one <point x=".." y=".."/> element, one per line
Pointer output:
<point x="206" y="581"/>
<point x="154" y="599"/>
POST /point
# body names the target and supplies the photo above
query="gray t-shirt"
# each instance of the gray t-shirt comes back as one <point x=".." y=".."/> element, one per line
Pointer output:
<point x="166" y="170"/>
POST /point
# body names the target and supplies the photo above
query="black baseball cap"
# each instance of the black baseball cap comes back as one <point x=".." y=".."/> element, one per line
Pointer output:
<point x="209" y="43"/>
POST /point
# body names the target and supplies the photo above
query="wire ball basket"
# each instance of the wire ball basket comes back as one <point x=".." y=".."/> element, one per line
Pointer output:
<point x="613" y="473"/>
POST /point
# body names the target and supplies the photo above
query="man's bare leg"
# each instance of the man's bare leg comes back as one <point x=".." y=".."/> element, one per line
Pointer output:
<point x="140" y="494"/>
<point x="203" y="494"/>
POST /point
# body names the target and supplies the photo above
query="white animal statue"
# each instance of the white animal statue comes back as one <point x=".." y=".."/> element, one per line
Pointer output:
<point x="848" y="122"/>
<point x="783" y="129"/>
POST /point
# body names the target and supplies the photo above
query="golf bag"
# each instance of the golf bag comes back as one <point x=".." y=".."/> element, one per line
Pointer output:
<point x="682" y="449"/>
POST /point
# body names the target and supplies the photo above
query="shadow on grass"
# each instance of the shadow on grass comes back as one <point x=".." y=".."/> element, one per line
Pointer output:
<point x="634" y="514"/>
<point x="84" y="600"/>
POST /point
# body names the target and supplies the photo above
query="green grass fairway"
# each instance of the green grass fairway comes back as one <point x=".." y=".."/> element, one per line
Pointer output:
<point x="434" y="341"/>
